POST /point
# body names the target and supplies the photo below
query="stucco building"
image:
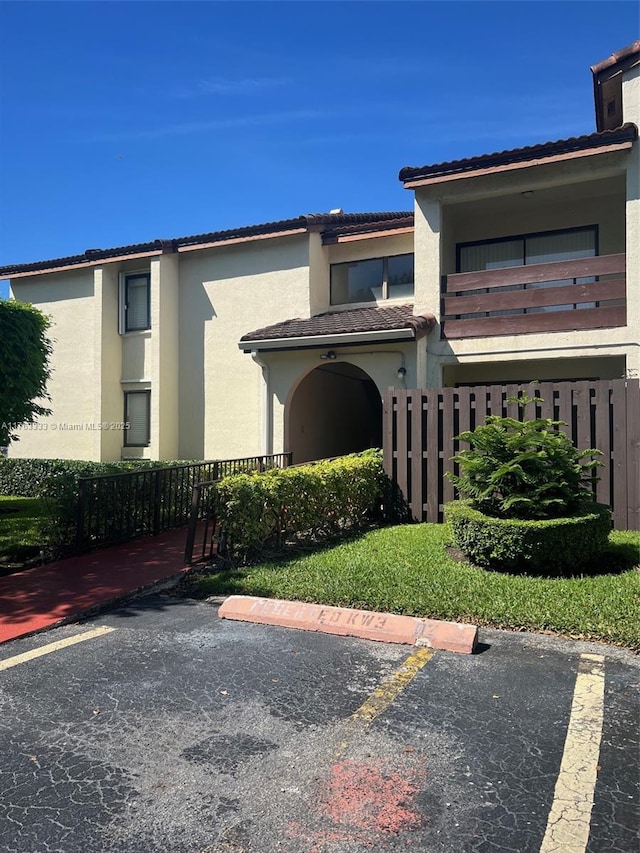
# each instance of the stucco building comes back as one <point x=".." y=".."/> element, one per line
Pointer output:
<point x="513" y="266"/>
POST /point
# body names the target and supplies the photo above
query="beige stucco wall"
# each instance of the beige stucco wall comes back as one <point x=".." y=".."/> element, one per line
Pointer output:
<point x="319" y="273"/>
<point x="225" y="293"/>
<point x="137" y="356"/>
<point x="288" y="369"/>
<point x="372" y="247"/>
<point x="164" y="358"/>
<point x="541" y="370"/>
<point x="68" y="298"/>
<point x="107" y="357"/>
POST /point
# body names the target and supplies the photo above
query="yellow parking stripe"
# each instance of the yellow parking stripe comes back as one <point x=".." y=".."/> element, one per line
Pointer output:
<point x="383" y="696"/>
<point x="54" y="647"/>
<point x="570" y="816"/>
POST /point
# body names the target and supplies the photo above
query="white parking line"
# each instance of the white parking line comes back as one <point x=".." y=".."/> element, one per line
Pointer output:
<point x="570" y="815"/>
<point x="54" y="647"/>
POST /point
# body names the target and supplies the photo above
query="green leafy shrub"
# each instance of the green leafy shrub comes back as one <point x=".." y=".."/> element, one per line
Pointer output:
<point x="524" y="469"/>
<point x="34" y="478"/>
<point x="527" y="498"/>
<point x="56" y="482"/>
<point x="548" y="546"/>
<point x="303" y="502"/>
<point x="25" y="351"/>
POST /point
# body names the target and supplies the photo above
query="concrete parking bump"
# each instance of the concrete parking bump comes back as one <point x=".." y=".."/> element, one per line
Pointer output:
<point x="347" y="622"/>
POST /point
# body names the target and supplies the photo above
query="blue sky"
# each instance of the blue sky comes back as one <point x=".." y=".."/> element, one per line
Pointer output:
<point x="125" y="122"/>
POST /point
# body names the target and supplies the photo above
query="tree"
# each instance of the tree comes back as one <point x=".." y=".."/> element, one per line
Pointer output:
<point x="24" y="366"/>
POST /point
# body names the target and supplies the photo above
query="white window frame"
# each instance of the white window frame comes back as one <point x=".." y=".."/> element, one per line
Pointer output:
<point x="147" y="441"/>
<point x="122" y="301"/>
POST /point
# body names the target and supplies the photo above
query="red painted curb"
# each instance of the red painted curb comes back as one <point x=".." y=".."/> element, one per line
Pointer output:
<point x="366" y="624"/>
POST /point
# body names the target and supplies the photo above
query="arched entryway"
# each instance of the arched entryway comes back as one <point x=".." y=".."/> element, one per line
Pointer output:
<point x="335" y="409"/>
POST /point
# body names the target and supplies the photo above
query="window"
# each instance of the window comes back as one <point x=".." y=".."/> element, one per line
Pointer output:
<point x="137" y="410"/>
<point x="135" y="308"/>
<point x="371" y="280"/>
<point x="543" y="248"/>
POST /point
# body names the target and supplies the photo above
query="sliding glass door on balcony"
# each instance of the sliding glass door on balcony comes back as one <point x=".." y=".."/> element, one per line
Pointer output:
<point x="557" y="276"/>
<point x="532" y="249"/>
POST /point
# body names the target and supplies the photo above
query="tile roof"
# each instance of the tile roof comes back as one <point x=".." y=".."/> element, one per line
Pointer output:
<point x="358" y="222"/>
<point x="388" y="318"/>
<point x="333" y="232"/>
<point x="517" y="155"/>
<point x="618" y="57"/>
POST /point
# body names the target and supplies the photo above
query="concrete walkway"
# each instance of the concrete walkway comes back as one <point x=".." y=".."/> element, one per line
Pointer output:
<point x="61" y="591"/>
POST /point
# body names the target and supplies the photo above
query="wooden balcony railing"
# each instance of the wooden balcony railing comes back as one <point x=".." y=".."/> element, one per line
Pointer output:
<point x="589" y="293"/>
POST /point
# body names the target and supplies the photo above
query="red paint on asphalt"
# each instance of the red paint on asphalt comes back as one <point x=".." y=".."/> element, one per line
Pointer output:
<point x="363" y="803"/>
<point x="363" y="796"/>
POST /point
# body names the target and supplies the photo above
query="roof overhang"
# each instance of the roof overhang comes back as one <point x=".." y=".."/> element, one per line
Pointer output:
<point x="386" y="336"/>
<point x="607" y="85"/>
<point x="338" y="221"/>
<point x="233" y="241"/>
<point x="431" y="180"/>
<point x="82" y="265"/>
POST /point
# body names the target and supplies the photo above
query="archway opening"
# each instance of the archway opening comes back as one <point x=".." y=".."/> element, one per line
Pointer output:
<point x="336" y="409"/>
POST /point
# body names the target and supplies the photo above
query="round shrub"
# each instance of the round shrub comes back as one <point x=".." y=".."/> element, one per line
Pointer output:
<point x="549" y="546"/>
<point x="525" y="469"/>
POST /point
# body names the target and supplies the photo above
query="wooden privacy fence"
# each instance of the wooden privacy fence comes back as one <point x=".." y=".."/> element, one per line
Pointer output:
<point x="420" y="426"/>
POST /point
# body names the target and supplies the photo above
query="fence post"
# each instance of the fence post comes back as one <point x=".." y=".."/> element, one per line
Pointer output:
<point x="80" y="514"/>
<point x="157" y="499"/>
<point x="193" y="524"/>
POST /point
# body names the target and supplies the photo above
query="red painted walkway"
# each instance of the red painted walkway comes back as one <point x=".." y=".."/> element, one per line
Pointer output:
<point x="46" y="595"/>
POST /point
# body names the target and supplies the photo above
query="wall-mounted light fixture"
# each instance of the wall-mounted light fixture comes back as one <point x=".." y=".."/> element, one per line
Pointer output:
<point x="527" y="194"/>
<point x="402" y="372"/>
<point x="329" y="355"/>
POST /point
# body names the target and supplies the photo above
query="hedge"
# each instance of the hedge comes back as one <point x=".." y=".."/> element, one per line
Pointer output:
<point x="35" y="478"/>
<point x="56" y="481"/>
<point x="549" y="546"/>
<point x="303" y="502"/>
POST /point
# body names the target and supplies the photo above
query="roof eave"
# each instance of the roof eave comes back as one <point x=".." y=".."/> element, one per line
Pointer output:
<point x="429" y="180"/>
<point x="319" y="341"/>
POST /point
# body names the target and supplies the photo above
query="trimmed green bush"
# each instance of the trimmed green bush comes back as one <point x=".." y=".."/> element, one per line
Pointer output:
<point x="34" y="478"/>
<point x="303" y="502"/>
<point x="524" y="469"/>
<point x="548" y="546"/>
<point x="56" y="481"/>
<point x="527" y="497"/>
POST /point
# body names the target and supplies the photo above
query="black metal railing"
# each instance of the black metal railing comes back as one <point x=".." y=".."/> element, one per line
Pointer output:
<point x="114" y="508"/>
<point x="204" y="526"/>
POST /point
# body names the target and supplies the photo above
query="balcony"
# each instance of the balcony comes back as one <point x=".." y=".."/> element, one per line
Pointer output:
<point x="589" y="293"/>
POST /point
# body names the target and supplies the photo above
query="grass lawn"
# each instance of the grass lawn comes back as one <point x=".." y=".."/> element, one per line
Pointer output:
<point x="20" y="527"/>
<point x="407" y="569"/>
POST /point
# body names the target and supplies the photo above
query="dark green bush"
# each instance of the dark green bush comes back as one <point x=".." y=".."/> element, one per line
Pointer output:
<point x="34" y="478"/>
<point x="548" y="546"/>
<point x="304" y="502"/>
<point x="524" y="469"/>
<point x="56" y="481"/>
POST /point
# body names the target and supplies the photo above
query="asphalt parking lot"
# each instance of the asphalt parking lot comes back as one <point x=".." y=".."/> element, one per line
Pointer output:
<point x="162" y="728"/>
